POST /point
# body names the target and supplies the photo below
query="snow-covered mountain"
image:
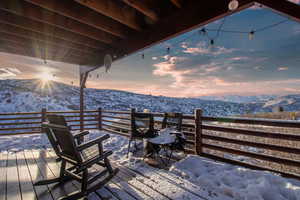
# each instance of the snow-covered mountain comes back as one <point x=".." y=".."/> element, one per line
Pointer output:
<point x="241" y="99"/>
<point x="288" y="102"/>
<point x="27" y="95"/>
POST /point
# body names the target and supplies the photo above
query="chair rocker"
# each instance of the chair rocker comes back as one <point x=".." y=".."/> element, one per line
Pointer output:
<point x="76" y="159"/>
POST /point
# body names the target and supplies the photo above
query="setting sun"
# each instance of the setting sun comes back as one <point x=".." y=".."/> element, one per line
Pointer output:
<point x="46" y="77"/>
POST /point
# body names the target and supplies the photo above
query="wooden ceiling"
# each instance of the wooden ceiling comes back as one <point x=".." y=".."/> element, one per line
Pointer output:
<point x="84" y="31"/>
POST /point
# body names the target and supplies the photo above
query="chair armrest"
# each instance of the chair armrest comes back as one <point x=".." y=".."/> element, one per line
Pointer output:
<point x="92" y="142"/>
<point x="80" y="134"/>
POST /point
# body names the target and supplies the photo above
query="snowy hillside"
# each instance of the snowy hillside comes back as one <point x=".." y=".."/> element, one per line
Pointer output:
<point x="288" y="102"/>
<point x="240" y="99"/>
<point x="27" y="95"/>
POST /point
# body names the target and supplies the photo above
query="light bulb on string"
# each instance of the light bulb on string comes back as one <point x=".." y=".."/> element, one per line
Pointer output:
<point x="251" y="35"/>
<point x="212" y="42"/>
<point x="233" y="5"/>
<point x="168" y="50"/>
<point x="143" y="56"/>
<point x="203" y="31"/>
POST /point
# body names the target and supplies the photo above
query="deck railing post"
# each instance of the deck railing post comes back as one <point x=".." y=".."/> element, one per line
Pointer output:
<point x="132" y="111"/>
<point x="99" y="118"/>
<point x="198" y="131"/>
<point x="44" y="115"/>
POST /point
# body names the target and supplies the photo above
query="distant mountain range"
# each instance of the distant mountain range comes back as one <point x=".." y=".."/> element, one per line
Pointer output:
<point x="26" y="95"/>
<point x="241" y="99"/>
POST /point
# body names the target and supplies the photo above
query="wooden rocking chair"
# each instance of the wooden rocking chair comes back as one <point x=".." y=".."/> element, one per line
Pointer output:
<point x="79" y="157"/>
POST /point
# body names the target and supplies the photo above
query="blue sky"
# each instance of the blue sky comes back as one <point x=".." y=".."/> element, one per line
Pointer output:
<point x="267" y="64"/>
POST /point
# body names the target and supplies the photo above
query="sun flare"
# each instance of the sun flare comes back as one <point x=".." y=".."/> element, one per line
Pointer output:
<point x="46" y="77"/>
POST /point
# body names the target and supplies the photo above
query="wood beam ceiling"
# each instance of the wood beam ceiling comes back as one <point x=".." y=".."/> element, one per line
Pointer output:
<point x="31" y="53"/>
<point x="143" y="7"/>
<point x="114" y="10"/>
<point x="41" y="49"/>
<point x="194" y="15"/>
<point x="34" y="36"/>
<point x="284" y="7"/>
<point x="177" y="3"/>
<point x="34" y="12"/>
<point x="49" y="30"/>
<point x="84" y="15"/>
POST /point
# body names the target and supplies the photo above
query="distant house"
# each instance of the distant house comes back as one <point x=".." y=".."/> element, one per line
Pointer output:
<point x="278" y="109"/>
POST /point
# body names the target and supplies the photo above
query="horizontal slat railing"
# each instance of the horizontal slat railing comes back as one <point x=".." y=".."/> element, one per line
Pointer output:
<point x="30" y="122"/>
<point x="266" y="144"/>
<point x="276" y="143"/>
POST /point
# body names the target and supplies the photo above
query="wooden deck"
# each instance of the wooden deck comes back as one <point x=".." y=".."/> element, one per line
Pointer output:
<point x="18" y="172"/>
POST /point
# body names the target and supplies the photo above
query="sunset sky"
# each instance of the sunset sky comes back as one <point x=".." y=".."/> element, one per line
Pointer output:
<point x="267" y="64"/>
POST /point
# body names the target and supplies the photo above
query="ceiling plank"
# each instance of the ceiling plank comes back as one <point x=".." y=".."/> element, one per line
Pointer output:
<point x="46" y="29"/>
<point x="59" y="43"/>
<point x="177" y="3"/>
<point x="40" y="49"/>
<point x="193" y="15"/>
<point x="31" y="53"/>
<point x="34" y="12"/>
<point x="143" y="7"/>
<point x="114" y="10"/>
<point x="284" y="7"/>
<point x="84" y="15"/>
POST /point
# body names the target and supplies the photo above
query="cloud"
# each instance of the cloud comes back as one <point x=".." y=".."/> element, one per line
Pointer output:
<point x="296" y="29"/>
<point x="9" y="72"/>
<point x="282" y="68"/>
<point x="295" y="1"/>
<point x="239" y="58"/>
<point x="203" y="49"/>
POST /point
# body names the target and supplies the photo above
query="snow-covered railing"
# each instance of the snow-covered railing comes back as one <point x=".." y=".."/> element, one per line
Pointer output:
<point x="264" y="144"/>
<point x="30" y="122"/>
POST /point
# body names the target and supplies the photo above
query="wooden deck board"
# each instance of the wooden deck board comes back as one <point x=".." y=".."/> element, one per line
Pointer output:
<point x="12" y="180"/>
<point x="3" y="168"/>
<point x="24" y="168"/>
<point x="27" y="189"/>
<point x="42" y="192"/>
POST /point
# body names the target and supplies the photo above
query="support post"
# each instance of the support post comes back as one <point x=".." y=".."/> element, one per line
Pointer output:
<point x="198" y="131"/>
<point x="99" y="118"/>
<point x="132" y="111"/>
<point x="44" y="113"/>
<point x="83" y="78"/>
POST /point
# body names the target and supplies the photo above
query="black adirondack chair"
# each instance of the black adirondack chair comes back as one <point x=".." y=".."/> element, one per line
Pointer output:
<point x="79" y="157"/>
<point x="172" y="120"/>
<point x="142" y="126"/>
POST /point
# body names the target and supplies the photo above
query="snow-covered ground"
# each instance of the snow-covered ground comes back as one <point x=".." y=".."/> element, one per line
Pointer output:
<point x="236" y="182"/>
<point x="228" y="181"/>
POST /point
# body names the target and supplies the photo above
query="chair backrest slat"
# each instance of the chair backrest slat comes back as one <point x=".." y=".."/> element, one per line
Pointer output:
<point x="142" y="125"/>
<point x="172" y="120"/>
<point x="57" y="119"/>
<point x="64" y="141"/>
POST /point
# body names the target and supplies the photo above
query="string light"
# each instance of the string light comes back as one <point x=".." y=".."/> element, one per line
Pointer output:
<point x="233" y="5"/>
<point x="212" y="40"/>
<point x="202" y="31"/>
<point x="251" y="35"/>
